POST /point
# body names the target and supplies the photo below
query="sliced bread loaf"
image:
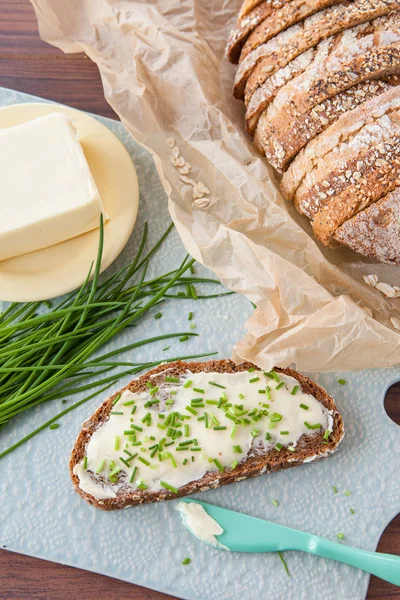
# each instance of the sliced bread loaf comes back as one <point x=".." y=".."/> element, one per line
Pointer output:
<point x="375" y="231"/>
<point x="290" y="14"/>
<point x="267" y="58"/>
<point x="188" y="427"/>
<point x="281" y="151"/>
<point x="248" y="20"/>
<point x="345" y="133"/>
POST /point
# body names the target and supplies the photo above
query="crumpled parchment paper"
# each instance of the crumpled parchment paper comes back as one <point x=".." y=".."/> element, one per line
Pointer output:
<point x="164" y="72"/>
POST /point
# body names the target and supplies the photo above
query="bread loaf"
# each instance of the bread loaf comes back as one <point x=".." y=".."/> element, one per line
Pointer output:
<point x="273" y="16"/>
<point x="279" y="151"/>
<point x="267" y="58"/>
<point x="375" y="231"/>
<point x="323" y="103"/>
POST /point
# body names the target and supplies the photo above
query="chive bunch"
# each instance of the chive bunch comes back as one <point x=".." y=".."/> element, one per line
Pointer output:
<point x="51" y="352"/>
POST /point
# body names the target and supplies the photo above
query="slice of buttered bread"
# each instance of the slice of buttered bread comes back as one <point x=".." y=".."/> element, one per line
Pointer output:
<point x="188" y="427"/>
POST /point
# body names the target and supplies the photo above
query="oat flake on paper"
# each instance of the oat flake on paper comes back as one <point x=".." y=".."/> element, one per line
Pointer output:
<point x="164" y="72"/>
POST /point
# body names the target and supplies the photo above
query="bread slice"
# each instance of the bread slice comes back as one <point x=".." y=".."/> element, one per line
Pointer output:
<point x="281" y="151"/>
<point x="267" y="58"/>
<point x="248" y="20"/>
<point x="366" y="179"/>
<point x="310" y="446"/>
<point x="321" y="155"/>
<point x="375" y="231"/>
<point x="283" y="18"/>
<point x="351" y="166"/>
<point x="369" y="51"/>
<point x="248" y="6"/>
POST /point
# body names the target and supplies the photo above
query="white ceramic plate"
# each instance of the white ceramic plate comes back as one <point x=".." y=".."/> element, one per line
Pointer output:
<point x="61" y="268"/>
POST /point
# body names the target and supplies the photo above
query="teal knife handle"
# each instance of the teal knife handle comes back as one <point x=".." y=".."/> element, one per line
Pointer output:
<point x="385" y="566"/>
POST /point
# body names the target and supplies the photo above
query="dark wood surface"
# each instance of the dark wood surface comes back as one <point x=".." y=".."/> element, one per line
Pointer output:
<point x="29" y="65"/>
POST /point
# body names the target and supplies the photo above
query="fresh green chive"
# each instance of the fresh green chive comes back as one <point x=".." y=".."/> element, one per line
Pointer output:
<point x="262" y="391"/>
<point x="342" y="381"/>
<point x="218" y="465"/>
<point x="191" y="410"/>
<point x="116" y="442"/>
<point x="54" y="426"/>
<point x="218" y="385"/>
<point x="198" y="390"/>
<point x="304" y="406"/>
<point x="327" y="434"/>
<point x="166" y="348"/>
<point x="144" y="461"/>
<point x="186" y="561"/>
<point x="275" y="502"/>
<point x="186" y="430"/>
<point x="284" y="432"/>
<point x="275" y="417"/>
<point x="213" y="402"/>
<point x="237" y="449"/>
<point x="251" y="370"/>
<point x="284" y="563"/>
<point x="184" y="462"/>
<point x="85" y="462"/>
<point x="183" y="338"/>
<point x="187" y="383"/>
<point x="340" y="536"/>
<point x="278" y="447"/>
<point x="195" y="449"/>
<point x="114" y="472"/>
<point x="168" y="487"/>
<point x="129" y="403"/>
<point x="254" y="432"/>
<point x="220" y="428"/>
<point x="117" y="397"/>
<point x="315" y="426"/>
<point x="132" y="477"/>
<point x="158" y="315"/>
<point x="190" y="316"/>
<point x="233" y="432"/>
<point x="254" y="379"/>
<point x="280" y="385"/>
<point x="142" y="486"/>
<point x="133" y="410"/>
<point x="100" y="466"/>
<point x="335" y="489"/>
<point x="234" y="464"/>
<point x="172" y="379"/>
<point x="295" y="390"/>
<point x="241" y="396"/>
<point x="268" y="436"/>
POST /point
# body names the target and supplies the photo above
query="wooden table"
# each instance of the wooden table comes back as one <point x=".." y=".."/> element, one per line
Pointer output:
<point x="29" y="65"/>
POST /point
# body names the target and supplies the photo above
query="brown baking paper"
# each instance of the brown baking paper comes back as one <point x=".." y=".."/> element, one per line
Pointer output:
<point x="164" y="72"/>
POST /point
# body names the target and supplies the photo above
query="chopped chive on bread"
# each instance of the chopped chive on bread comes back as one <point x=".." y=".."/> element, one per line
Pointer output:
<point x="183" y="428"/>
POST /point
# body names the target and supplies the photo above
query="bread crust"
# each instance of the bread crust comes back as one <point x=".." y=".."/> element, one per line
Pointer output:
<point x="322" y="154"/>
<point x="267" y="58"/>
<point x="280" y="151"/>
<point x="308" y="445"/>
<point x="375" y="231"/>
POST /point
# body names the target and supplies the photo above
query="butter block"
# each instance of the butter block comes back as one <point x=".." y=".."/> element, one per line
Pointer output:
<point x="47" y="192"/>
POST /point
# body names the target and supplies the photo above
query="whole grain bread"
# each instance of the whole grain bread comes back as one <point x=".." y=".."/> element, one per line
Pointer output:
<point x="368" y="51"/>
<point x="375" y="231"/>
<point x="291" y="13"/>
<point x="354" y="163"/>
<point x="247" y="22"/>
<point x="308" y="446"/>
<point x="248" y="5"/>
<point x="276" y="53"/>
<point x="344" y="134"/>
<point x="281" y="151"/>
